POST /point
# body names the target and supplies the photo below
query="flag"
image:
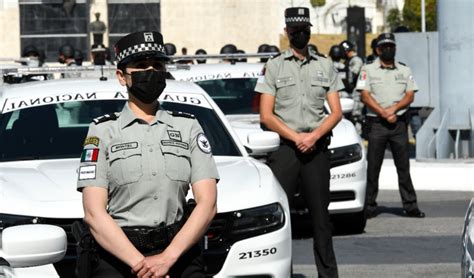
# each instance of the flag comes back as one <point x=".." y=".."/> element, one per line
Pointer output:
<point x="90" y="155"/>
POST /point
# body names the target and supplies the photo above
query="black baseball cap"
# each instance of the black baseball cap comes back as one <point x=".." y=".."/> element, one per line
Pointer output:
<point x="297" y="16"/>
<point x="386" y="38"/>
<point x="145" y="44"/>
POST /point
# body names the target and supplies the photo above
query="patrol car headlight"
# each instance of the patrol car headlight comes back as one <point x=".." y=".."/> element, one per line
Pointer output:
<point x="257" y="221"/>
<point x="9" y="220"/>
<point x="345" y="155"/>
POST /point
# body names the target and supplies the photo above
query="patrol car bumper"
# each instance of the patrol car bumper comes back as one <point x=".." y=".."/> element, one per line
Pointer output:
<point x="348" y="186"/>
<point x="267" y="255"/>
<point x="238" y="246"/>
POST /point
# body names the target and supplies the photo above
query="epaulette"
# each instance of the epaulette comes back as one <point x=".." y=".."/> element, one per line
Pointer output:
<point x="403" y="64"/>
<point x="320" y="55"/>
<point x="106" y="117"/>
<point x="182" y="114"/>
<point x="369" y="62"/>
<point x="276" y="56"/>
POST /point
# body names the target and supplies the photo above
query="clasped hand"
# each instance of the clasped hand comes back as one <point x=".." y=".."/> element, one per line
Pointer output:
<point x="305" y="142"/>
<point x="389" y="115"/>
<point x="154" y="266"/>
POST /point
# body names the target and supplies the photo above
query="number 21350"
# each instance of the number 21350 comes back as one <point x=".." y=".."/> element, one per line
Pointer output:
<point x="257" y="253"/>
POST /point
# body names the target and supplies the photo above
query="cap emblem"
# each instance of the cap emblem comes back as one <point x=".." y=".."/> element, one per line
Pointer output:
<point x="300" y="11"/>
<point x="148" y="37"/>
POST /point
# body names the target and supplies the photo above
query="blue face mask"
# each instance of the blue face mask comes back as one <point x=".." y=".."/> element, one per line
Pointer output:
<point x="148" y="85"/>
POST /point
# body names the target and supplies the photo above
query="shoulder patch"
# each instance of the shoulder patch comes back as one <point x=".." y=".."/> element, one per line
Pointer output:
<point x="106" y="117"/>
<point x="182" y="114"/>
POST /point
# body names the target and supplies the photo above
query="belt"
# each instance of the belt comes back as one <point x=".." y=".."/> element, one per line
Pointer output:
<point x="152" y="238"/>
<point x="401" y="118"/>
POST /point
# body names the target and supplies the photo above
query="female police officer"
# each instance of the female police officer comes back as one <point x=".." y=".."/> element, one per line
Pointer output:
<point x="134" y="175"/>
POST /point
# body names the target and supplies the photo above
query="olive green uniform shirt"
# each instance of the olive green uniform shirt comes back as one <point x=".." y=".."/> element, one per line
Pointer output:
<point x="300" y="88"/>
<point x="386" y="85"/>
<point x="146" y="168"/>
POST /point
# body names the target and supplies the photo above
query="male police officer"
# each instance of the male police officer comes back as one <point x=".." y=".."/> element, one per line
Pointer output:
<point x="388" y="89"/>
<point x="135" y="173"/>
<point x="293" y="90"/>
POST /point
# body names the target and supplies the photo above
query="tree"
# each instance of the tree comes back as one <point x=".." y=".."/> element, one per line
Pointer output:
<point x="318" y="3"/>
<point x="412" y="15"/>
<point x="394" y="18"/>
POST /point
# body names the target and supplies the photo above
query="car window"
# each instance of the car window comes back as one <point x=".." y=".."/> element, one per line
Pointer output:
<point x="58" y="130"/>
<point x="233" y="96"/>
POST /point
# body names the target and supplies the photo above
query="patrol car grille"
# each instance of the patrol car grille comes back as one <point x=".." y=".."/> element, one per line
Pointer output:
<point x="341" y="196"/>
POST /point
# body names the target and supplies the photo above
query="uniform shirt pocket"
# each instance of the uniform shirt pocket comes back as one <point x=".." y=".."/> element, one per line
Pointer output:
<point x="177" y="163"/>
<point x="401" y="85"/>
<point x="319" y="87"/>
<point x="125" y="165"/>
<point x="286" y="87"/>
<point x="376" y="86"/>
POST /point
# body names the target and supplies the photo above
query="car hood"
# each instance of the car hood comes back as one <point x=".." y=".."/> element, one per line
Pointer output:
<point x="47" y="188"/>
<point x="344" y="133"/>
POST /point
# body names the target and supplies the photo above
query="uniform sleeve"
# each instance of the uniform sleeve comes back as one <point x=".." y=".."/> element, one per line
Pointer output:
<point x="363" y="81"/>
<point x="411" y="84"/>
<point x="355" y="65"/>
<point x="93" y="166"/>
<point x="266" y="82"/>
<point x="336" y="84"/>
<point x="203" y="165"/>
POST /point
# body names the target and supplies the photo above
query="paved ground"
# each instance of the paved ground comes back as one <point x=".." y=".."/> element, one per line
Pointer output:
<point x="396" y="246"/>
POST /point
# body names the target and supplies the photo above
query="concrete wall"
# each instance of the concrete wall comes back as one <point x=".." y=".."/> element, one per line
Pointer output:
<point x="210" y="24"/>
<point x="10" y="29"/>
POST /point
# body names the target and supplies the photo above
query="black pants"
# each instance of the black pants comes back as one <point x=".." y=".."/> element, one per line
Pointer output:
<point x="290" y="166"/>
<point x="190" y="265"/>
<point x="380" y="134"/>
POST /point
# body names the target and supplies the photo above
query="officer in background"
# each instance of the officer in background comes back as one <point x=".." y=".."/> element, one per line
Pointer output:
<point x="353" y="65"/>
<point x="374" y="55"/>
<point x="229" y="49"/>
<point x="293" y="89"/>
<point x="336" y="54"/>
<point x="99" y="55"/>
<point x="387" y="89"/>
<point x="66" y="55"/>
<point x="263" y="49"/>
<point x="200" y="51"/>
<point x="134" y="178"/>
<point x="78" y="57"/>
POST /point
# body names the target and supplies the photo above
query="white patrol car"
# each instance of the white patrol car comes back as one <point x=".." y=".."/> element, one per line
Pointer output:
<point x="42" y="129"/>
<point x="232" y="88"/>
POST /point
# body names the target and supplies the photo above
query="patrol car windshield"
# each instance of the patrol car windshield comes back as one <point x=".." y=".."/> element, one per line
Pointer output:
<point x="233" y="96"/>
<point x="58" y="130"/>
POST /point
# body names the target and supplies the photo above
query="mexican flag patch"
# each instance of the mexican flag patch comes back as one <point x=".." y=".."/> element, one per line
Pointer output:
<point x="90" y="155"/>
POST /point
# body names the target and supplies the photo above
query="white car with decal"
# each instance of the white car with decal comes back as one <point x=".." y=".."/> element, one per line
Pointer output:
<point x="42" y="129"/>
<point x="232" y="88"/>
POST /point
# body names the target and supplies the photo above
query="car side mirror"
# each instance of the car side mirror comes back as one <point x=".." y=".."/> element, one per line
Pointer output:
<point x="262" y="142"/>
<point x="32" y="245"/>
<point x="347" y="105"/>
